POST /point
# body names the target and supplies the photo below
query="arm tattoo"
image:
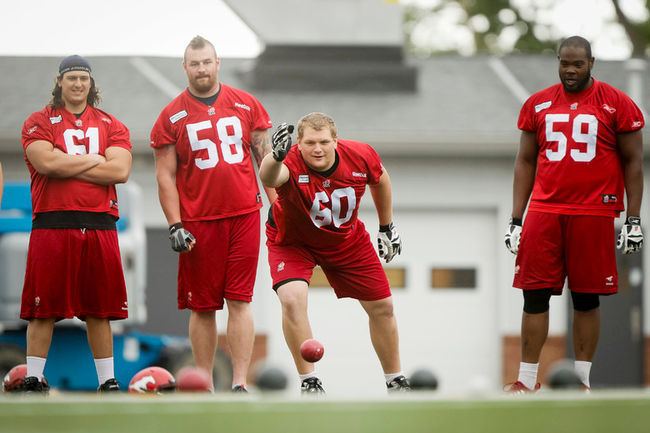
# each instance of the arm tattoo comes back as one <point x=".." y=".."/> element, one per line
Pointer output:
<point x="261" y="145"/>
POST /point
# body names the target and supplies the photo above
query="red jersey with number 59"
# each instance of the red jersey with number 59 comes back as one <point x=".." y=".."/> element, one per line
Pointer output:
<point x="92" y="132"/>
<point x="215" y="176"/>
<point x="578" y="166"/>
<point x="320" y="210"/>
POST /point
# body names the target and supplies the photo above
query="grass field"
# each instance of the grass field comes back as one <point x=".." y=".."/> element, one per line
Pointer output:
<point x="607" y="412"/>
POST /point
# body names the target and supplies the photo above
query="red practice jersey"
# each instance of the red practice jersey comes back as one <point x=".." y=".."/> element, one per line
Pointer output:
<point x="215" y="176"/>
<point x="578" y="166"/>
<point x="318" y="211"/>
<point x="92" y="132"/>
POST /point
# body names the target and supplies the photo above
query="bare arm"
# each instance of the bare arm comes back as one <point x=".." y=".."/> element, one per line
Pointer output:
<point x="631" y="150"/>
<point x="382" y="195"/>
<point x="51" y="162"/>
<point x="116" y="169"/>
<point x="260" y="147"/>
<point x="166" y="177"/>
<point x="273" y="174"/>
<point x="525" y="169"/>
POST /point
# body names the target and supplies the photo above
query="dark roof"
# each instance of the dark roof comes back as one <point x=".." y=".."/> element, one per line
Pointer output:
<point x="460" y="107"/>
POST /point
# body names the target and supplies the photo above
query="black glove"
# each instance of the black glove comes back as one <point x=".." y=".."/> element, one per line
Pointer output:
<point x="388" y="242"/>
<point x="180" y="237"/>
<point x="630" y="240"/>
<point x="281" y="141"/>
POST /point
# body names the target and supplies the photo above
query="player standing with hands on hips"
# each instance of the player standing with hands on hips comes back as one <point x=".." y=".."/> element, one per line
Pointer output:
<point x="203" y="141"/>
<point x="320" y="182"/>
<point x="580" y="152"/>
<point x="75" y="154"/>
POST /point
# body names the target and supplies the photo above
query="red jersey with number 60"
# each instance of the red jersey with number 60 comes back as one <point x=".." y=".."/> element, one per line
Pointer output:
<point x="215" y="176"/>
<point x="578" y="166"/>
<point x="92" y="132"/>
<point x="321" y="211"/>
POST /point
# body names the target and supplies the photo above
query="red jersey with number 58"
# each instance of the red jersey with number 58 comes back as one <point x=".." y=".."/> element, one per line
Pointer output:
<point x="320" y="210"/>
<point x="215" y="176"/>
<point x="92" y="132"/>
<point x="579" y="170"/>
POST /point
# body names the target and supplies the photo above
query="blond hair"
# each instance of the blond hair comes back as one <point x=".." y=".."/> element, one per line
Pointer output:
<point x="317" y="121"/>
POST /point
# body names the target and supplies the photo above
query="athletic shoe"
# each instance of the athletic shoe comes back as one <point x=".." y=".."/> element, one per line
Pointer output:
<point x="239" y="389"/>
<point x="31" y="385"/>
<point x="110" y="385"/>
<point x="520" y="388"/>
<point x="399" y="384"/>
<point x="312" y="385"/>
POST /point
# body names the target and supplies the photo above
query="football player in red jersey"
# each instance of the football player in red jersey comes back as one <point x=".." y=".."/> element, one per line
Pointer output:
<point x="75" y="154"/>
<point x="207" y="185"/>
<point x="314" y="221"/>
<point x="580" y="153"/>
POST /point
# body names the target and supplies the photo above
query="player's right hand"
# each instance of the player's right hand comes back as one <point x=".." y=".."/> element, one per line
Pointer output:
<point x="281" y="141"/>
<point x="513" y="235"/>
<point x="182" y="240"/>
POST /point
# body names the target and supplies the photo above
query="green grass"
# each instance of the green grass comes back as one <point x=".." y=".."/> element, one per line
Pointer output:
<point x="609" y="412"/>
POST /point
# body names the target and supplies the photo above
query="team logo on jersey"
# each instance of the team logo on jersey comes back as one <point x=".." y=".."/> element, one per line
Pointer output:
<point x="37" y="301"/>
<point x="542" y="106"/>
<point x="574" y="106"/>
<point x="211" y="111"/>
<point x="637" y="124"/>
<point x="303" y="178"/>
<point x="517" y="269"/>
<point x="55" y="120"/>
<point x="326" y="183"/>
<point x="357" y="174"/>
<point x="107" y="120"/>
<point x="280" y="266"/>
<point x="609" y="281"/>
<point x="32" y="130"/>
<point x="609" y="198"/>
<point x="244" y="106"/>
<point x="178" y="116"/>
<point x="610" y="110"/>
<point x="78" y="123"/>
<point x="125" y="306"/>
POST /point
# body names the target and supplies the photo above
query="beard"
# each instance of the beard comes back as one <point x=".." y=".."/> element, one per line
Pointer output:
<point x="203" y="85"/>
<point x="578" y="86"/>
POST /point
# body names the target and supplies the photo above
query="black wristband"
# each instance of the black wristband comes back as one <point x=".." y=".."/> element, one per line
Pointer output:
<point x="385" y="228"/>
<point x="516" y="221"/>
<point x="633" y="220"/>
<point x="174" y="227"/>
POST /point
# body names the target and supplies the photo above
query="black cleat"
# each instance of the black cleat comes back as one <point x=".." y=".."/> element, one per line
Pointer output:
<point x="312" y="385"/>
<point x="399" y="384"/>
<point x="110" y="385"/>
<point x="239" y="389"/>
<point x="32" y="385"/>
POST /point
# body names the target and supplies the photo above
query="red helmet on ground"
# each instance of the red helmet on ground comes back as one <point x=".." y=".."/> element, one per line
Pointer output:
<point x="13" y="381"/>
<point x="152" y="380"/>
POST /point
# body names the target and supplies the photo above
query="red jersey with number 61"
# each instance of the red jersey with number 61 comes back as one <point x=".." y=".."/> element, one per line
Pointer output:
<point x="92" y="132"/>
<point x="318" y="210"/>
<point x="215" y="176"/>
<point x="578" y="166"/>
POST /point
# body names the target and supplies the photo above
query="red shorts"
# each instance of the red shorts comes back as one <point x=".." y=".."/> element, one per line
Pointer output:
<point x="74" y="272"/>
<point x="222" y="264"/>
<point x="353" y="269"/>
<point x="580" y="247"/>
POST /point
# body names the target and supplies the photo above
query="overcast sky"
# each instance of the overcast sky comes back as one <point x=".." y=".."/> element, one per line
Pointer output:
<point x="163" y="27"/>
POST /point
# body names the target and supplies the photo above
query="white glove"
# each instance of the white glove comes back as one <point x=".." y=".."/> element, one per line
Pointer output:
<point x="281" y="141"/>
<point x="389" y="243"/>
<point x="630" y="240"/>
<point x="180" y="238"/>
<point x="513" y="235"/>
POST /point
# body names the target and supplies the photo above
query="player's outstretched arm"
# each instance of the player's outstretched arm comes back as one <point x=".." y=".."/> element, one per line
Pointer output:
<point x="116" y="169"/>
<point x="51" y="162"/>
<point x="273" y="173"/>
<point x="260" y="147"/>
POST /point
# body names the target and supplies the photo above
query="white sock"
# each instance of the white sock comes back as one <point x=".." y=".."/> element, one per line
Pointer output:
<point x="35" y="366"/>
<point x="308" y="375"/>
<point x="583" y="368"/>
<point x="104" y="367"/>
<point x="528" y="374"/>
<point x="390" y="376"/>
